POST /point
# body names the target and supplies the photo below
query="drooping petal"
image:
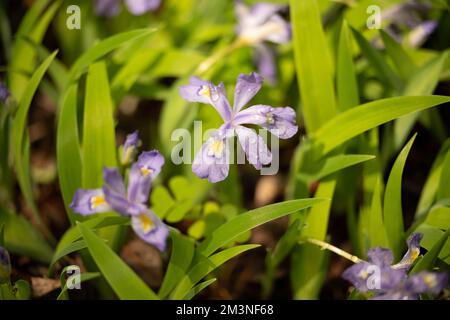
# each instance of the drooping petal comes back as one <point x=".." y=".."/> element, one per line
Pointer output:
<point x="357" y="275"/>
<point x="129" y="148"/>
<point x="380" y="256"/>
<point x="254" y="147"/>
<point x="205" y="92"/>
<point x="139" y="7"/>
<point x="141" y="175"/>
<point x="150" y="229"/>
<point x="114" y="191"/>
<point x="413" y="252"/>
<point x="212" y="160"/>
<point x="107" y="8"/>
<point x="4" y="92"/>
<point x="279" y="121"/>
<point x="427" y="282"/>
<point x="247" y="86"/>
<point x="88" y="202"/>
<point x="265" y="60"/>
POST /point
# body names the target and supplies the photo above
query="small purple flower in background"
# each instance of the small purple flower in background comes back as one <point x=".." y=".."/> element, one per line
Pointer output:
<point x="5" y="265"/>
<point x="407" y="22"/>
<point x="4" y="92"/>
<point x="392" y="281"/>
<point x="212" y="161"/>
<point x="130" y="201"/>
<point x="129" y="148"/>
<point x="112" y="8"/>
<point x="258" y="24"/>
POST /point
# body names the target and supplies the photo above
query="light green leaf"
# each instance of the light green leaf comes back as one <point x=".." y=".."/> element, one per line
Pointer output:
<point x="122" y="279"/>
<point x="443" y="191"/>
<point x="428" y="260"/>
<point x="402" y="61"/>
<point x="180" y="260"/>
<point x="199" y="288"/>
<point x="206" y="266"/>
<point x="312" y="63"/>
<point x="377" y="230"/>
<point x="251" y="219"/>
<point x="392" y="210"/>
<point x="64" y="251"/>
<point x="85" y="276"/>
<point x="355" y="121"/>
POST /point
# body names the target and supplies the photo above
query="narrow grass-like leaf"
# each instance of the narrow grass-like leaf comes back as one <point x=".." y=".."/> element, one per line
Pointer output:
<point x="347" y="86"/>
<point x="335" y="164"/>
<point x="392" y="210"/>
<point x="199" y="288"/>
<point x="20" y="136"/>
<point x="180" y="260"/>
<point x="443" y="191"/>
<point x="206" y="266"/>
<point x="68" y="151"/>
<point x="377" y="230"/>
<point x="312" y="63"/>
<point x="370" y="115"/>
<point x="251" y="219"/>
<point x="402" y="61"/>
<point x="85" y="276"/>
<point x="62" y="252"/>
<point x="427" y="262"/>
<point x="125" y="283"/>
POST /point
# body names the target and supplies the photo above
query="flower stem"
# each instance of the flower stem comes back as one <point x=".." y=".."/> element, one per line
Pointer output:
<point x="340" y="252"/>
<point x="220" y="54"/>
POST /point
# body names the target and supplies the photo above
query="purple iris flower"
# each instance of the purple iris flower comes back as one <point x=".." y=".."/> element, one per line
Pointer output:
<point x="130" y="201"/>
<point x="111" y="8"/>
<point x="4" y="92"/>
<point x="212" y="161"/>
<point x="129" y="148"/>
<point x="5" y="265"/>
<point x="259" y="24"/>
<point x="391" y="282"/>
<point x="410" y="16"/>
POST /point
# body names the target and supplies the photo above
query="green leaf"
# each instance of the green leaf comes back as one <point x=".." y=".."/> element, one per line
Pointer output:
<point x="384" y="71"/>
<point x="86" y="276"/>
<point x="353" y="122"/>
<point x="122" y="279"/>
<point x="99" y="144"/>
<point x="313" y="64"/>
<point x="439" y="216"/>
<point x="334" y="164"/>
<point x="428" y="260"/>
<point x="68" y="151"/>
<point x="423" y="82"/>
<point x="104" y="47"/>
<point x="392" y="211"/>
<point x="251" y="219"/>
<point x="20" y="137"/>
<point x="377" y="230"/>
<point x="443" y="191"/>
<point x="22" y="290"/>
<point x="347" y="86"/>
<point x="199" y="288"/>
<point x="206" y="266"/>
<point x="180" y="260"/>
<point x="23" y="55"/>
<point x="402" y="61"/>
<point x="64" y="251"/>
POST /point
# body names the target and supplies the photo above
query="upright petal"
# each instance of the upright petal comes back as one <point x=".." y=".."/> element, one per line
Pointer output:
<point x="141" y="175"/>
<point x="380" y="256"/>
<point x="420" y="34"/>
<point x="88" y="202"/>
<point x="114" y="191"/>
<point x="139" y="7"/>
<point x="129" y="148"/>
<point x="279" y="121"/>
<point x="412" y="254"/>
<point x="265" y="60"/>
<point x="247" y="86"/>
<point x="107" y="8"/>
<point x="150" y="229"/>
<point x="212" y="161"/>
<point x="205" y="92"/>
<point x="254" y="147"/>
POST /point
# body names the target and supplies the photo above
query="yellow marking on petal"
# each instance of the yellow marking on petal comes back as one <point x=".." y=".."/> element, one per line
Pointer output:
<point x="430" y="281"/>
<point x="216" y="149"/>
<point x="147" y="224"/>
<point x="97" y="201"/>
<point x="363" y="274"/>
<point x="270" y="119"/>
<point x="205" y="91"/>
<point x="146" y="171"/>
<point x="414" y="255"/>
